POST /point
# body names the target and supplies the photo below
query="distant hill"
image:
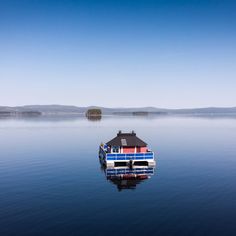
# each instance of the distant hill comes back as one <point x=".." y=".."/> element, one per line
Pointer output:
<point x="44" y="109"/>
<point x="74" y="110"/>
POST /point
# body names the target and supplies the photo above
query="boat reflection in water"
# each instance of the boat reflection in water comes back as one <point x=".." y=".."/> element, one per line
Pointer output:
<point x="125" y="177"/>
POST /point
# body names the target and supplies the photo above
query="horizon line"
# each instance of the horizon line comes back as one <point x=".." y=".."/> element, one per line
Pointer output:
<point x="203" y="107"/>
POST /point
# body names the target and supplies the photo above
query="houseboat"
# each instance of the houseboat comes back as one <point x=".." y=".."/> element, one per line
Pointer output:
<point x="126" y="149"/>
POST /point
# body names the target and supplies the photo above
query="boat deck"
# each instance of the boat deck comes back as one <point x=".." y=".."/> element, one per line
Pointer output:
<point x="111" y="159"/>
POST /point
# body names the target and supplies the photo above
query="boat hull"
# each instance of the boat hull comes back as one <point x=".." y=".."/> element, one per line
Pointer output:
<point x="110" y="159"/>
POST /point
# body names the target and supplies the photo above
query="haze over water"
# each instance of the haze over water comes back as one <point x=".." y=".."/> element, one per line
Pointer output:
<point x="51" y="181"/>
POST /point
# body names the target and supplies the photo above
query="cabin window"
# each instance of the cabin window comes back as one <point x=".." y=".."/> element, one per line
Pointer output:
<point x="115" y="149"/>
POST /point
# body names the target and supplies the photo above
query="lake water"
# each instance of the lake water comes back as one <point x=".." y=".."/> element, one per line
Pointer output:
<point x="51" y="181"/>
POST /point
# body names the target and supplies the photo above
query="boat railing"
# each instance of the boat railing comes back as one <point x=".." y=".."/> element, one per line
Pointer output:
<point x="130" y="156"/>
<point x="127" y="156"/>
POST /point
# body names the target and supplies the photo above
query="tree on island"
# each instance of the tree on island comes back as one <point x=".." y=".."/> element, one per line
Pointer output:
<point x="94" y="112"/>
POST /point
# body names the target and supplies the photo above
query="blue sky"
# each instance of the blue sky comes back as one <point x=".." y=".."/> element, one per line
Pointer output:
<point x="119" y="53"/>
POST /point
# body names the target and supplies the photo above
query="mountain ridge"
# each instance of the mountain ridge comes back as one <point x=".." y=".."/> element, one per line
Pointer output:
<point x="70" y="109"/>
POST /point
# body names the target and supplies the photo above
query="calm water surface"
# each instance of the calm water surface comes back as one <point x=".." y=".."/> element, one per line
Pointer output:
<point x="51" y="182"/>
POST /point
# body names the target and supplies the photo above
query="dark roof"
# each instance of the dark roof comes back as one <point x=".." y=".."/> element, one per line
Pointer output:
<point x="127" y="139"/>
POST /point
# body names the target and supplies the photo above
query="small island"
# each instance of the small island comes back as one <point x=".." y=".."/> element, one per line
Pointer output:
<point x="94" y="114"/>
